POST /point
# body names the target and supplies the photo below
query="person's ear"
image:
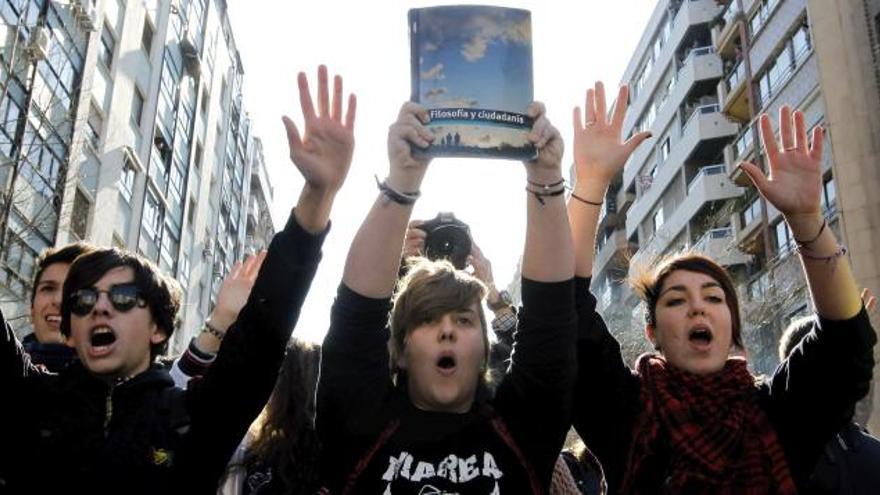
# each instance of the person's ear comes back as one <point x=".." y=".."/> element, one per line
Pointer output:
<point x="157" y="335"/>
<point x="651" y="335"/>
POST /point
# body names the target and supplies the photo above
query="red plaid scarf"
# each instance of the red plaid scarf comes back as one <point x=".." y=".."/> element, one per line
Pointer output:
<point x="719" y="440"/>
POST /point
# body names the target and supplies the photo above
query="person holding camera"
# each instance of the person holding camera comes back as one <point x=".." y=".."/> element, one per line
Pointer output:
<point x="403" y="405"/>
<point x="446" y="237"/>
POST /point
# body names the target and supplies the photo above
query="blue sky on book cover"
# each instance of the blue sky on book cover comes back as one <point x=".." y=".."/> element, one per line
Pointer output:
<point x="473" y="66"/>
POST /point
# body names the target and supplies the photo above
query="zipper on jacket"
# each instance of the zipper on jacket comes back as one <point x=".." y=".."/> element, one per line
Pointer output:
<point x="108" y="411"/>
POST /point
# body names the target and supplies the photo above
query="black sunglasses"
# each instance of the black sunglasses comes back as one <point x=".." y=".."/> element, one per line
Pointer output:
<point x="122" y="297"/>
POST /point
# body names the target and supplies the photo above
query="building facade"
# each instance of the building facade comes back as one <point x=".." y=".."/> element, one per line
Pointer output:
<point x="42" y="67"/>
<point x="703" y="72"/>
<point x="164" y="162"/>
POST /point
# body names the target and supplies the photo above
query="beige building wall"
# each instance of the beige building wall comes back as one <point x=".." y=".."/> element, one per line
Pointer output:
<point x="852" y="101"/>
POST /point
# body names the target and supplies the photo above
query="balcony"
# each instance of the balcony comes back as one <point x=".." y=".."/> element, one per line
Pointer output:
<point x="608" y="214"/>
<point x="725" y="31"/>
<point x="690" y="13"/>
<point x="701" y="64"/>
<point x="732" y="91"/>
<point x="614" y="244"/>
<point x="705" y="123"/>
<point x="741" y="149"/>
<point x="719" y="244"/>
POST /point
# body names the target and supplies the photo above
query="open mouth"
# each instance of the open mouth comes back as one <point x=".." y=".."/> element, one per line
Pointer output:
<point x="102" y="337"/>
<point x="53" y="319"/>
<point x="701" y="336"/>
<point x="446" y="364"/>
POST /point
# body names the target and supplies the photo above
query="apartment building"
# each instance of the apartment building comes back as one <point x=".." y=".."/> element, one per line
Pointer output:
<point x="702" y="73"/>
<point x="162" y="158"/>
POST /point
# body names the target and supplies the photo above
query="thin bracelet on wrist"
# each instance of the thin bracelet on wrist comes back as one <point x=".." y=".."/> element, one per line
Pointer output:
<point x="212" y="330"/>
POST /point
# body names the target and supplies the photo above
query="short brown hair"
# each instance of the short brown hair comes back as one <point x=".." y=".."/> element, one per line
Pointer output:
<point x="429" y="290"/>
<point x="50" y="256"/>
<point x="648" y="280"/>
<point x="161" y="293"/>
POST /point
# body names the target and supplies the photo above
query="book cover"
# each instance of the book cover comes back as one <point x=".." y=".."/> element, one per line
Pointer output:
<point x="471" y="67"/>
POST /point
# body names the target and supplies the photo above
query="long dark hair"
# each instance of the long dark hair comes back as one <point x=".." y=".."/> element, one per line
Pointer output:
<point x="286" y="441"/>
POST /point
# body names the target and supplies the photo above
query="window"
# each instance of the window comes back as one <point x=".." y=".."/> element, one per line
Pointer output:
<point x="94" y="127"/>
<point x="79" y="219"/>
<point x="752" y="213"/>
<point x="108" y="46"/>
<point x="658" y="219"/>
<point x="792" y="53"/>
<point x="664" y="150"/>
<point x="147" y="37"/>
<point x="829" y="195"/>
<point x="784" y="240"/>
<point x="137" y="107"/>
<point x="126" y="181"/>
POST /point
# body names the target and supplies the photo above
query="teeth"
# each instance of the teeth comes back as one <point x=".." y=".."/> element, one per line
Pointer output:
<point x="101" y="330"/>
<point x="53" y="319"/>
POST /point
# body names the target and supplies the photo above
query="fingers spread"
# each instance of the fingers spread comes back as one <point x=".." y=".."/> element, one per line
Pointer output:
<point x="786" y="135"/>
<point x="800" y="132"/>
<point x="336" y="113"/>
<point x="756" y="174"/>
<point x="591" y="107"/>
<point x="632" y="143"/>
<point x="305" y="97"/>
<point x="818" y="143"/>
<point x="293" y="139"/>
<point x="620" y="105"/>
<point x="601" y="113"/>
<point x="323" y="92"/>
<point x="770" y="145"/>
<point x="576" y="119"/>
<point x="350" y="114"/>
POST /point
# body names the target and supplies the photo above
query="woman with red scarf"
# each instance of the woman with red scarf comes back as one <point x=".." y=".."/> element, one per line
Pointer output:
<point x="691" y="418"/>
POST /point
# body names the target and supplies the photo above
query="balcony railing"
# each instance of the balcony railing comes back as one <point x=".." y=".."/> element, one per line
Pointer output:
<point x="743" y="142"/>
<point x="706" y="171"/>
<point x="737" y="75"/>
<point x="711" y="108"/>
<point x="730" y="12"/>
<point x="721" y="233"/>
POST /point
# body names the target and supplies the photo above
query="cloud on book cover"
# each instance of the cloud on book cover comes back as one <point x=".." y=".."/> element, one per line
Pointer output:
<point x="491" y="30"/>
<point x="434" y="93"/>
<point x="451" y="103"/>
<point x="474" y="29"/>
<point x="434" y="73"/>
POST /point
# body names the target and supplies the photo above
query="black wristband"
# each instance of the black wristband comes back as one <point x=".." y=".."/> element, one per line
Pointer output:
<point x="398" y="197"/>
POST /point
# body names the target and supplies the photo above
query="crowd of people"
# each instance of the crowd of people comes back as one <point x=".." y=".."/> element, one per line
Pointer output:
<point x="408" y="392"/>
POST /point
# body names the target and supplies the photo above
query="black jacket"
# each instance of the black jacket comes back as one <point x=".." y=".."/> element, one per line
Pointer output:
<point x="73" y="433"/>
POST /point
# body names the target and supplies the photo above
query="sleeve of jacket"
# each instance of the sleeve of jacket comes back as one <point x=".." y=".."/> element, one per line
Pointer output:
<point x="606" y="393"/>
<point x="812" y="394"/>
<point x="355" y="378"/>
<point x="233" y="390"/>
<point x="534" y="399"/>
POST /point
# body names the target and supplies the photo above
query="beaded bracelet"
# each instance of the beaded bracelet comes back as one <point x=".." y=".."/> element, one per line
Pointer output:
<point x="213" y="331"/>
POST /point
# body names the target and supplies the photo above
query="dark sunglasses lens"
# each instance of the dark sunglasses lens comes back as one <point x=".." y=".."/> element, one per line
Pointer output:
<point x="83" y="301"/>
<point x="123" y="297"/>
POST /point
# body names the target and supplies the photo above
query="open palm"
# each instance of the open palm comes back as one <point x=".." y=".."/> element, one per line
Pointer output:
<point x="599" y="152"/>
<point x="794" y="184"/>
<point x="323" y="155"/>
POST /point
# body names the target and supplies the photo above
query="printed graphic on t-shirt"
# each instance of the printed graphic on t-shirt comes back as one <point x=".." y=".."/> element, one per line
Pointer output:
<point x="477" y="473"/>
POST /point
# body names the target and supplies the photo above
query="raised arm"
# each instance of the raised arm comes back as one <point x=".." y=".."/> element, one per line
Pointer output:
<point x="603" y="377"/>
<point x="241" y="379"/>
<point x="794" y="187"/>
<point x="374" y="257"/>
<point x="599" y="154"/>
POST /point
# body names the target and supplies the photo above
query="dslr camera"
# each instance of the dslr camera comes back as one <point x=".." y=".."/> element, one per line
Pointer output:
<point x="447" y="238"/>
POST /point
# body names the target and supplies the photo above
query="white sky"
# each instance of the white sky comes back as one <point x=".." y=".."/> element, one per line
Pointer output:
<point x="574" y="44"/>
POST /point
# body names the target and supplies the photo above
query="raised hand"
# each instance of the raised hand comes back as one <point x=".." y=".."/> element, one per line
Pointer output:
<point x="414" y="242"/>
<point x="599" y="152"/>
<point x="235" y="290"/>
<point x="407" y="170"/>
<point x="794" y="185"/>
<point x="323" y="155"/>
<point x="482" y="265"/>
<point x="546" y="138"/>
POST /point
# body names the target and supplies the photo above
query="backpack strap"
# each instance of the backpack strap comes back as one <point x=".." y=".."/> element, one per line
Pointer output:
<point x="504" y="433"/>
<point x="367" y="458"/>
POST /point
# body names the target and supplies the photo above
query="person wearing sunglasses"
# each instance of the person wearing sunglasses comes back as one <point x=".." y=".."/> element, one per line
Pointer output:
<point x="114" y="422"/>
